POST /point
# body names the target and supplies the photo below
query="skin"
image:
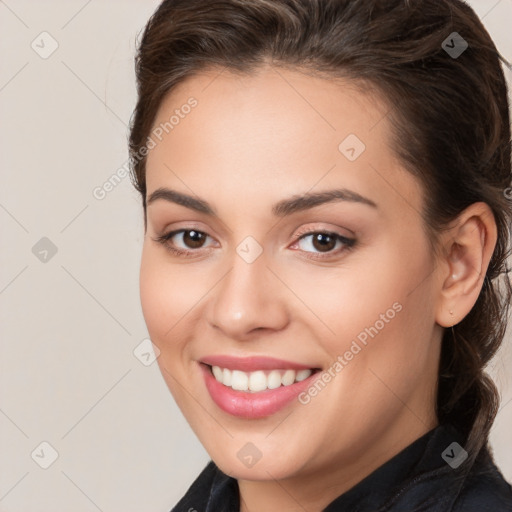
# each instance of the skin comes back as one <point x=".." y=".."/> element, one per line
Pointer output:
<point x="252" y="141"/>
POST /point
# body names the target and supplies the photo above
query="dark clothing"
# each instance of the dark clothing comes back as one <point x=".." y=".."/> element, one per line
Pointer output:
<point x="418" y="479"/>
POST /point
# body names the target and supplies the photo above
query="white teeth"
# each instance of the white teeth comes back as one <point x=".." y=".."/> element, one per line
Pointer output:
<point x="302" y="374"/>
<point x="226" y="377"/>
<point x="239" y="380"/>
<point x="258" y="380"/>
<point x="217" y="372"/>
<point x="274" y="379"/>
<point x="288" y="377"/>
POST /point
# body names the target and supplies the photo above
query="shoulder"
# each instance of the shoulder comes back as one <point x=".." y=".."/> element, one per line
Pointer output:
<point x="199" y="492"/>
<point x="485" y="490"/>
<point x="211" y="491"/>
<point x="480" y="488"/>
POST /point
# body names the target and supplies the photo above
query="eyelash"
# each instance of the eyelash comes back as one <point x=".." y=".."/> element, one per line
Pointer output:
<point x="348" y="243"/>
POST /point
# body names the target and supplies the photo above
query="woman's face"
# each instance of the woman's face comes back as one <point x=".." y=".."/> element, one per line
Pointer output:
<point x="304" y="248"/>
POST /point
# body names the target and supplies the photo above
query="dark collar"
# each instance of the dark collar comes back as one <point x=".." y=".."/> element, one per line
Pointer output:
<point x="419" y="478"/>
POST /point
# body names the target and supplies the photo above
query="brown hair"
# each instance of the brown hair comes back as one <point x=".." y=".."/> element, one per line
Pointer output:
<point x="449" y="114"/>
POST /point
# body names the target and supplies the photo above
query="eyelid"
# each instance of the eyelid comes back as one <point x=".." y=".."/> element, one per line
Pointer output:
<point x="319" y="229"/>
<point x="166" y="236"/>
<point x="348" y="243"/>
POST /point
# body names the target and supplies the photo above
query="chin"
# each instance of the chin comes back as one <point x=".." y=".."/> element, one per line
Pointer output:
<point x="275" y="469"/>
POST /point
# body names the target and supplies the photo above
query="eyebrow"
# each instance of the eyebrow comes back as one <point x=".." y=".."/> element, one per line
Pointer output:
<point x="282" y="208"/>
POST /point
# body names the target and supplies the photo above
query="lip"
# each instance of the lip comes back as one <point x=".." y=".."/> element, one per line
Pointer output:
<point x="254" y="405"/>
<point x="253" y="363"/>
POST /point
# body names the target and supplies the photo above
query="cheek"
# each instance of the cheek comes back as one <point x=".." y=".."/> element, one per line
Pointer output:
<point x="166" y="302"/>
<point x="166" y="296"/>
<point x="368" y="289"/>
<point x="382" y="299"/>
<point x="153" y="295"/>
<point x="390" y="312"/>
<point x="382" y="323"/>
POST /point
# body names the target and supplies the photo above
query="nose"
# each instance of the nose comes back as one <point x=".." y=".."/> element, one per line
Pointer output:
<point x="248" y="298"/>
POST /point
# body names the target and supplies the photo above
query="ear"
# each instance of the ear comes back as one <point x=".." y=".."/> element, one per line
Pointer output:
<point x="467" y="248"/>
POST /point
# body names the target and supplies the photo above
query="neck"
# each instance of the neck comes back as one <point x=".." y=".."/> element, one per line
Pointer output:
<point x="315" y="489"/>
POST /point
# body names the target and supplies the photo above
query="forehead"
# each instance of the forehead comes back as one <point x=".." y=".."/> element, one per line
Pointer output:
<point x="276" y="130"/>
<point x="271" y="105"/>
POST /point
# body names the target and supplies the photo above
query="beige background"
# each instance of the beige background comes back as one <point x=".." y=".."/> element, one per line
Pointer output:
<point x="70" y="324"/>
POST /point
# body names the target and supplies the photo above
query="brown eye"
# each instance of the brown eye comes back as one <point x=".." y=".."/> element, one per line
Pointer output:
<point x="319" y="241"/>
<point x="323" y="242"/>
<point x="183" y="241"/>
<point x="193" y="239"/>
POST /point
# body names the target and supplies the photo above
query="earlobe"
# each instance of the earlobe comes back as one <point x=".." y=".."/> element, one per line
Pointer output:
<point x="469" y="245"/>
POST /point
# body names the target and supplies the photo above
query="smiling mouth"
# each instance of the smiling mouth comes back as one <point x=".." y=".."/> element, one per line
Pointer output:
<point x="259" y="380"/>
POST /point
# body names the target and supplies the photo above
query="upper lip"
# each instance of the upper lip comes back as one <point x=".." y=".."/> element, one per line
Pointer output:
<point x="252" y="363"/>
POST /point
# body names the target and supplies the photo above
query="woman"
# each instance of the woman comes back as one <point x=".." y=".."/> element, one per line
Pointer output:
<point x="325" y="188"/>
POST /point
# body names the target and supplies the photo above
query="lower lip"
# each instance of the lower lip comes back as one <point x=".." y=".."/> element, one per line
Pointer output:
<point x="252" y="405"/>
